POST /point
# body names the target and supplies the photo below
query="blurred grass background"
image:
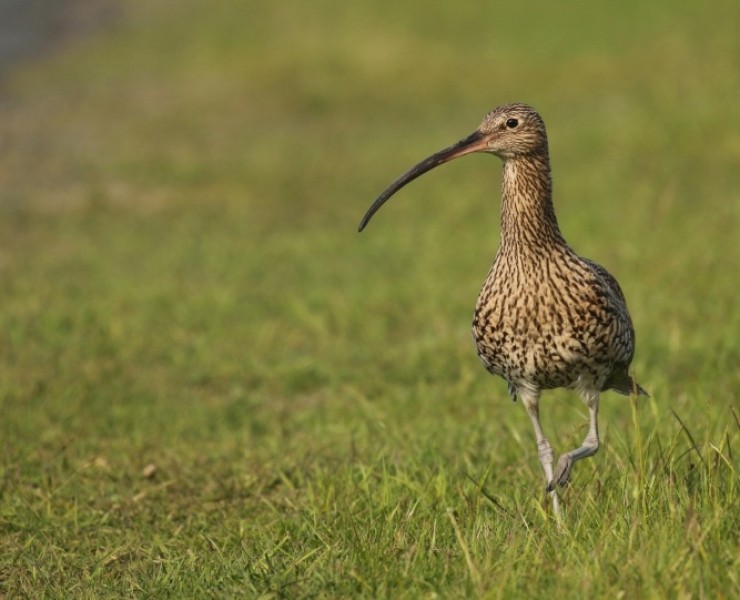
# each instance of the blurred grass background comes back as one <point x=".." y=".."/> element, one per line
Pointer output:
<point x="211" y="385"/>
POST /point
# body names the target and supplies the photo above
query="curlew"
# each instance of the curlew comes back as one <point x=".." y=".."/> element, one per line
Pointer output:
<point x="545" y="318"/>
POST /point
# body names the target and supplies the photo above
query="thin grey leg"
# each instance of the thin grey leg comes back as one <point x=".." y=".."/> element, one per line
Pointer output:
<point x="589" y="447"/>
<point x="530" y="399"/>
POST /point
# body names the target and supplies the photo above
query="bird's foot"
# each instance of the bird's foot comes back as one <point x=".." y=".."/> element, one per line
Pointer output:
<point x="562" y="472"/>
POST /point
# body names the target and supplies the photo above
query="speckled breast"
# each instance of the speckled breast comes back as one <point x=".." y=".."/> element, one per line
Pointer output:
<point x="549" y="326"/>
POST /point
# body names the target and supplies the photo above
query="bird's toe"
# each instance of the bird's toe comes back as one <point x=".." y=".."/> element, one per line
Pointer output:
<point x="562" y="472"/>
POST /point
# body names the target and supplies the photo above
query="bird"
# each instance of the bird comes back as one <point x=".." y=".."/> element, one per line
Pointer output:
<point x="545" y="317"/>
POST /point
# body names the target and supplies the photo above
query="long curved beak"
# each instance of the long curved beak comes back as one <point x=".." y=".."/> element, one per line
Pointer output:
<point x="475" y="142"/>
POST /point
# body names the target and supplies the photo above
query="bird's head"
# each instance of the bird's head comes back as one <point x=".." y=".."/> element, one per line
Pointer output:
<point x="512" y="130"/>
<point x="509" y="131"/>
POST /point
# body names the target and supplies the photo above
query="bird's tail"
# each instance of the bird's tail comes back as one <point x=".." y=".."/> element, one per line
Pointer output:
<point x="622" y="383"/>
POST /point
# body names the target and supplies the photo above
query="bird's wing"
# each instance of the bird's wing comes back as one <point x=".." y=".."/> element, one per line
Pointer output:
<point x="619" y="380"/>
<point x="608" y="279"/>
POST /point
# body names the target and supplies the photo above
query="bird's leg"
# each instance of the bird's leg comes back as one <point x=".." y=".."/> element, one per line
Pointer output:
<point x="544" y="449"/>
<point x="589" y="446"/>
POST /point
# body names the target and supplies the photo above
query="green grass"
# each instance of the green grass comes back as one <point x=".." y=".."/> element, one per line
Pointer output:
<point x="212" y="386"/>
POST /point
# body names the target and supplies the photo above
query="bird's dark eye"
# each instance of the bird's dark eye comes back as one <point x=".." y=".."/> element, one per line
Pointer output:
<point x="511" y="123"/>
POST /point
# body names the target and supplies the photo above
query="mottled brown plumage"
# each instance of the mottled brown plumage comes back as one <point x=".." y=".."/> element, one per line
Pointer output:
<point x="545" y="317"/>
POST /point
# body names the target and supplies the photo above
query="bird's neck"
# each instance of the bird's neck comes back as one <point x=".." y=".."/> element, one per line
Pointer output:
<point x="527" y="214"/>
